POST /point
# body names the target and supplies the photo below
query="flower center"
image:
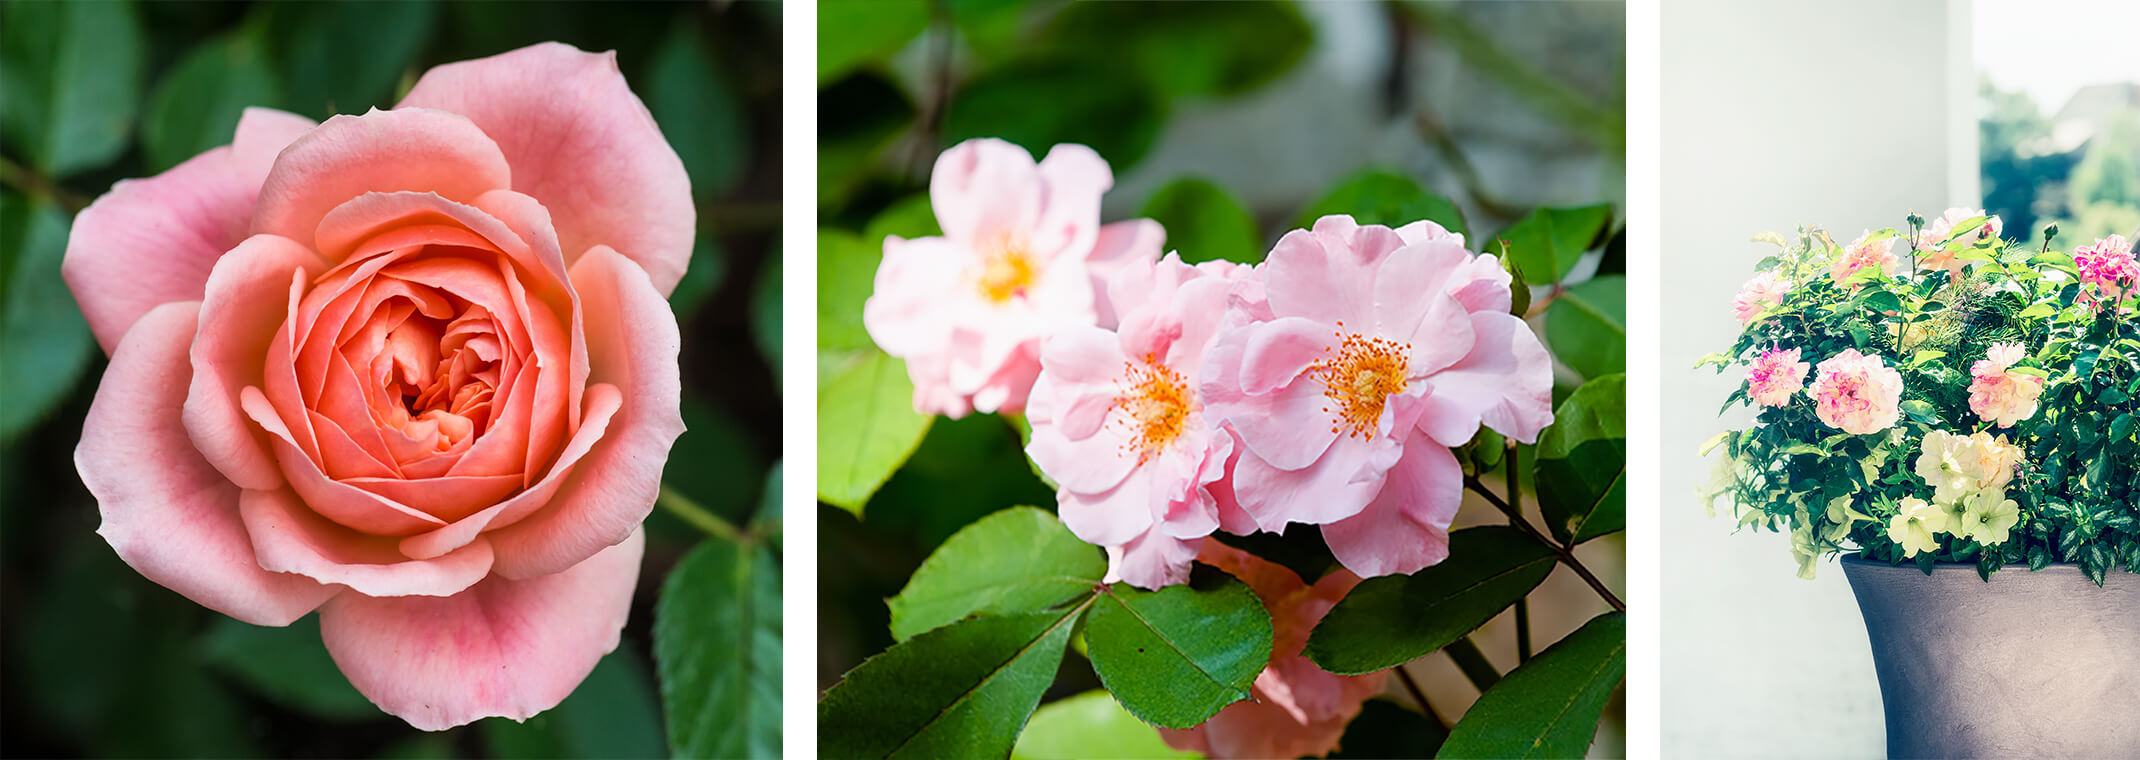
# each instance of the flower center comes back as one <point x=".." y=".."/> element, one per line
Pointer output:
<point x="443" y="375"/>
<point x="1155" y="404"/>
<point x="1358" y="378"/>
<point x="1007" y="273"/>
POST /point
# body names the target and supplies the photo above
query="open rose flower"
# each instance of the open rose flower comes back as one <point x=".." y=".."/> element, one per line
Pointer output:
<point x="1023" y="256"/>
<point x="1857" y="393"/>
<point x="1862" y="253"/>
<point x="1296" y="709"/>
<point x="1998" y="394"/>
<point x="1765" y="290"/>
<point x="1370" y="353"/>
<point x="413" y="369"/>
<point x="1935" y="255"/>
<point x="2108" y="269"/>
<point x="1776" y="376"/>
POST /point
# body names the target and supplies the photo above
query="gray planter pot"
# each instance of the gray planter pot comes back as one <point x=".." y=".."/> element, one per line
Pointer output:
<point x="2031" y="664"/>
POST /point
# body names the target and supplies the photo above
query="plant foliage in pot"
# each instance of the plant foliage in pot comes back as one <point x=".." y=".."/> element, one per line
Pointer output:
<point x="1957" y="411"/>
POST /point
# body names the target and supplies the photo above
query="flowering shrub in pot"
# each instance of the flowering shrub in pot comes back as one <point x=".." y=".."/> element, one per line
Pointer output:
<point x="1939" y="401"/>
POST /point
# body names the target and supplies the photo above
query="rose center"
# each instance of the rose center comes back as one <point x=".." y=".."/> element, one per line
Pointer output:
<point x="1359" y="376"/>
<point x="1008" y="273"/>
<point x="1155" y="404"/>
<point x="442" y="374"/>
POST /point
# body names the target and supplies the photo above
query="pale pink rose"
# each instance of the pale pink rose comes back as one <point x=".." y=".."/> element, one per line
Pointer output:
<point x="1765" y="290"/>
<point x="413" y="368"/>
<point x="1023" y="256"/>
<point x="1776" y="376"/>
<point x="1861" y="254"/>
<point x="1369" y="352"/>
<point x="1998" y="395"/>
<point x="1118" y="424"/>
<point x="1296" y="709"/>
<point x="2108" y="269"/>
<point x="1857" y="393"/>
<point x="1932" y="256"/>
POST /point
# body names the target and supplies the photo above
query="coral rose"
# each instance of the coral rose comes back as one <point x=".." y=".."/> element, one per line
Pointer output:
<point x="413" y="369"/>
<point x="1857" y="393"/>
<point x="1862" y="253"/>
<point x="1998" y="394"/>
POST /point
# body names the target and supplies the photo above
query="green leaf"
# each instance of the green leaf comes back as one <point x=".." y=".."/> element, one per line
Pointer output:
<point x="346" y="56"/>
<point x="1189" y="48"/>
<point x="717" y="642"/>
<point x="909" y="218"/>
<point x="1394" y="619"/>
<point x="1175" y="656"/>
<point x="197" y="105"/>
<point x="1385" y="730"/>
<point x="716" y="462"/>
<point x="846" y="275"/>
<point x="1586" y="326"/>
<point x="1204" y="222"/>
<point x="856" y="118"/>
<point x="1550" y="706"/>
<point x="868" y="426"/>
<point x="289" y="666"/>
<point x="851" y="33"/>
<point x="697" y="110"/>
<point x="611" y="714"/>
<point x="1021" y="559"/>
<point x="1921" y="411"/>
<point x="1086" y="103"/>
<point x="1548" y="241"/>
<point x="70" y="79"/>
<point x="1582" y="462"/>
<point x="1090" y="725"/>
<point x="44" y="344"/>
<point x="1385" y="197"/>
<point x="708" y="268"/>
<point x="963" y="690"/>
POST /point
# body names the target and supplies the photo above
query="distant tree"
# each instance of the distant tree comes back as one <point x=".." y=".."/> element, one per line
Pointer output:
<point x="2023" y="179"/>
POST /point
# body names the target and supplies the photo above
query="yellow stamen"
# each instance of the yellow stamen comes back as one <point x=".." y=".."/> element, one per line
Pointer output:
<point x="1008" y="273"/>
<point x="1358" y="380"/>
<point x="1155" y="400"/>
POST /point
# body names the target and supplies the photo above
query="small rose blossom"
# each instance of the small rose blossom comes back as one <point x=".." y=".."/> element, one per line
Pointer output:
<point x="1370" y="352"/>
<point x="1879" y="254"/>
<point x="1935" y="255"/>
<point x="1023" y="256"/>
<point x="1776" y="376"/>
<point x="414" y="369"/>
<point x="1295" y="709"/>
<point x="2107" y="269"/>
<point x="1765" y="290"/>
<point x="1857" y="393"/>
<point x="2001" y="396"/>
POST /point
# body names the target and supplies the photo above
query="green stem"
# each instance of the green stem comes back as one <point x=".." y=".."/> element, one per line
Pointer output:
<point x="1473" y="662"/>
<point x="1566" y="553"/>
<point x="1420" y="698"/>
<point x="1523" y="630"/>
<point x="36" y="186"/>
<point x="689" y="511"/>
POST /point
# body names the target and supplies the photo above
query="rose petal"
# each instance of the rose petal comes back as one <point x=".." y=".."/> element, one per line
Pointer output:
<point x="602" y="403"/>
<point x="406" y="149"/>
<point x="1406" y="526"/>
<point x="166" y="511"/>
<point x="1506" y="383"/>
<point x="581" y="143"/>
<point x="289" y="537"/>
<point x="1075" y="177"/>
<point x="1332" y="488"/>
<point x="983" y="189"/>
<point x="1152" y="561"/>
<point x="509" y="648"/>
<point x="1327" y="274"/>
<point x="353" y="507"/>
<point x="244" y="305"/>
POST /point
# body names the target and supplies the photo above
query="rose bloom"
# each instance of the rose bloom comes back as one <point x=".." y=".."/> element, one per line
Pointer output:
<point x="1776" y="376"/>
<point x="1118" y="424"/>
<point x="1934" y="256"/>
<point x="1861" y="254"/>
<point x="1023" y="256"/>
<point x="2107" y="267"/>
<point x="413" y="369"/>
<point x="1957" y="465"/>
<point x="1368" y="353"/>
<point x="1295" y="708"/>
<point x="1998" y="395"/>
<point x="1857" y="393"/>
<point x="1757" y="295"/>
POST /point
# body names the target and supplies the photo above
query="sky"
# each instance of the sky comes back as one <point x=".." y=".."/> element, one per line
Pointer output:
<point x="2050" y="49"/>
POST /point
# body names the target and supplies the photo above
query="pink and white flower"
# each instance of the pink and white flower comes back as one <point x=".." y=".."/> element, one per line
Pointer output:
<point x="1861" y="253"/>
<point x="1023" y="256"/>
<point x="1934" y="256"/>
<point x="1765" y="290"/>
<point x="1368" y="353"/>
<point x="1776" y="376"/>
<point x="1857" y="393"/>
<point x="2001" y="396"/>
<point x="1118" y="423"/>
<point x="2108" y="270"/>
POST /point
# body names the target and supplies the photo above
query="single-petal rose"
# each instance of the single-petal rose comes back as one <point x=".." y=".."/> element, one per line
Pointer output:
<point x="1862" y="253"/>
<point x="1117" y="422"/>
<point x="1765" y="290"/>
<point x="1023" y="257"/>
<point x="1295" y="708"/>
<point x="1776" y="376"/>
<point x="1999" y="395"/>
<point x="1857" y="393"/>
<point x="2107" y="269"/>
<point x="412" y="368"/>
<point x="1934" y="251"/>
<point x="1367" y="352"/>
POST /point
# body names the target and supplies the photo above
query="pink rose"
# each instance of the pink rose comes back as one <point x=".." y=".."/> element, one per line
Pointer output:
<point x="1370" y="352"/>
<point x="1861" y="254"/>
<point x="1776" y="376"/>
<point x="1765" y="290"/>
<point x="2000" y="396"/>
<point x="1118" y="424"/>
<point x="2108" y="268"/>
<point x="1857" y="393"/>
<point x="1933" y="256"/>
<point x="1022" y="257"/>
<point x="1296" y="709"/>
<point x="411" y="368"/>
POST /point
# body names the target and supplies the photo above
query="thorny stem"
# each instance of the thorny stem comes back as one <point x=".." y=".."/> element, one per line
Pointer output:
<point x="1566" y="554"/>
<point x="689" y="511"/>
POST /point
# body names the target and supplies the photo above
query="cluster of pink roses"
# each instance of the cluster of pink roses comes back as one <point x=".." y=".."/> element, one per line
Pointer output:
<point x="2108" y="268"/>
<point x="1858" y="393"/>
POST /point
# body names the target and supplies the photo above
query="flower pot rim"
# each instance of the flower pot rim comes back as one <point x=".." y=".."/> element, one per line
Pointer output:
<point x="1858" y="558"/>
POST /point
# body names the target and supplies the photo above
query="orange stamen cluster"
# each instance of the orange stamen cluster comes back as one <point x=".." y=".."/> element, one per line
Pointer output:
<point x="1155" y="403"/>
<point x="1358" y="378"/>
<point x="1008" y="272"/>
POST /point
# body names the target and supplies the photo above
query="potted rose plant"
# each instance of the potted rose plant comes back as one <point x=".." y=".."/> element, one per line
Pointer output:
<point x="1957" y="411"/>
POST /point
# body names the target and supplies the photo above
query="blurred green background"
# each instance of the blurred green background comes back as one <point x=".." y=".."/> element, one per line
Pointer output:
<point x="97" y="660"/>
<point x="2076" y="163"/>
<point x="1230" y="123"/>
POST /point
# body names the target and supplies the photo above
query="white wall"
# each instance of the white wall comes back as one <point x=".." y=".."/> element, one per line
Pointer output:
<point x="1835" y="112"/>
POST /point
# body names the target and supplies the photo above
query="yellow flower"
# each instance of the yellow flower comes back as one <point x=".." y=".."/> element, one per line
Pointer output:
<point x="1989" y="516"/>
<point x="1916" y="525"/>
